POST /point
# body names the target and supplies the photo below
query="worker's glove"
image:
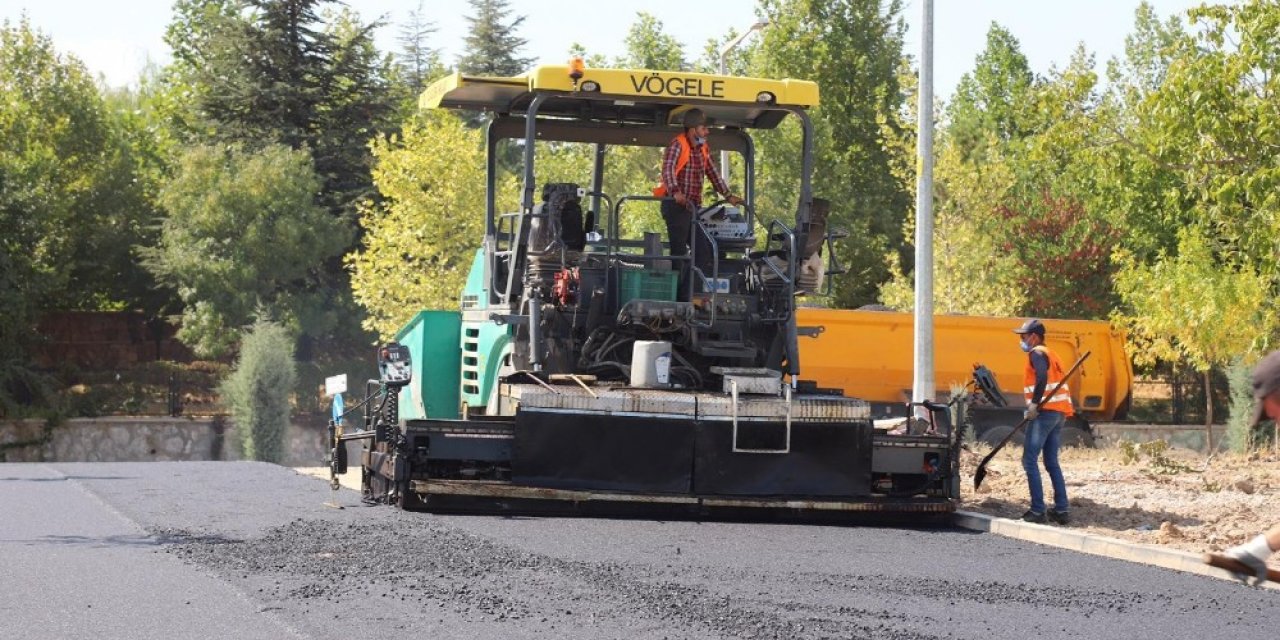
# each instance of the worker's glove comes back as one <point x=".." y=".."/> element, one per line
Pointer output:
<point x="1031" y="412"/>
<point x="734" y="200"/>
<point x="1254" y="555"/>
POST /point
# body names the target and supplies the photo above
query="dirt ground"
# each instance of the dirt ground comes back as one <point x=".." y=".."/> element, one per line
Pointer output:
<point x="1173" y="498"/>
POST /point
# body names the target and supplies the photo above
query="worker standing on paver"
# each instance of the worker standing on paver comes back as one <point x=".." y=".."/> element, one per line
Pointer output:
<point x="686" y="163"/>
<point x="1045" y="417"/>
<point x="1266" y="393"/>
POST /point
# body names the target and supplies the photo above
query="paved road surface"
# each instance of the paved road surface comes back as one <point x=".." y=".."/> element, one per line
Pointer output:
<point x="246" y="550"/>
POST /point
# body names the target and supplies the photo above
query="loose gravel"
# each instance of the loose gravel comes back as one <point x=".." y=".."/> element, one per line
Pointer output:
<point x="373" y="571"/>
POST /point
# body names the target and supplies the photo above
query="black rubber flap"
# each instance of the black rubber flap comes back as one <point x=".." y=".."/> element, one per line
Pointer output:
<point x="607" y="453"/>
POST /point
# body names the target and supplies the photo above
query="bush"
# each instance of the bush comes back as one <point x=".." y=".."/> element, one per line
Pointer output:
<point x="1239" y="436"/>
<point x="256" y="394"/>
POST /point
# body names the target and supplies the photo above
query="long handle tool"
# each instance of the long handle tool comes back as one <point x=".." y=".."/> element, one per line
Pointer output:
<point x="1231" y="564"/>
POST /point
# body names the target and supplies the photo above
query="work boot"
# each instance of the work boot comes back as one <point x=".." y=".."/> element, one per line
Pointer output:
<point x="1059" y="517"/>
<point x="1038" y="518"/>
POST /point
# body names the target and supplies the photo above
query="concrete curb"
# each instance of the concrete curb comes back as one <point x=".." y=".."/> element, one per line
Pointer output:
<point x="1093" y="545"/>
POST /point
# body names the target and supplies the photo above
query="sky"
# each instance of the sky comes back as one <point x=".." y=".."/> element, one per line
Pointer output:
<point x="117" y="40"/>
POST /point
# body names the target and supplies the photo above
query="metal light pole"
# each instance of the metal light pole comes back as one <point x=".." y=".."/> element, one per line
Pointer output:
<point x="724" y="71"/>
<point x="922" y="387"/>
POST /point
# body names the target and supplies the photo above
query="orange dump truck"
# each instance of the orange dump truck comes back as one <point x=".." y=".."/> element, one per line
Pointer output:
<point x="869" y="355"/>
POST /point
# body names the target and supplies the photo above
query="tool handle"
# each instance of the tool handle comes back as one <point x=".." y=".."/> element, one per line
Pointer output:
<point x="1235" y="566"/>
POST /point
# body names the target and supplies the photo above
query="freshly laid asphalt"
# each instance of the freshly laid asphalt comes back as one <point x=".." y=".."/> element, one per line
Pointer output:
<point x="248" y="550"/>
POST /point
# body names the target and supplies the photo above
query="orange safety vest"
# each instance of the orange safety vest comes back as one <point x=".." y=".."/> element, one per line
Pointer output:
<point x="1061" y="401"/>
<point x="682" y="161"/>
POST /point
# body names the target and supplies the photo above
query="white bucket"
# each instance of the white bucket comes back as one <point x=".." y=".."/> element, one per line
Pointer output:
<point x="651" y="364"/>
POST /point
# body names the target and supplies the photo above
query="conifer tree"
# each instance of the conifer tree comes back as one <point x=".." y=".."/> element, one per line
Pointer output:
<point x="492" y="46"/>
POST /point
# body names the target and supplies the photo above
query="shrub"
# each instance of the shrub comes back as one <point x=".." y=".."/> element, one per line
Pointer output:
<point x="256" y="394"/>
<point x="1239" y="437"/>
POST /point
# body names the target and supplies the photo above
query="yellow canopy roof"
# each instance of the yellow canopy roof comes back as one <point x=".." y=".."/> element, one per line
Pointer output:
<point x="637" y="95"/>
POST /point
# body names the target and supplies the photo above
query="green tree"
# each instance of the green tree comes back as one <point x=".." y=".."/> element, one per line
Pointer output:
<point x="243" y="231"/>
<point x="257" y="392"/>
<point x="275" y="71"/>
<point x="1193" y="164"/>
<point x="990" y="100"/>
<point x="295" y="73"/>
<point x="419" y="62"/>
<point x="419" y="241"/>
<point x="1206" y="305"/>
<point x="492" y="46"/>
<point x="972" y="274"/>
<point x="852" y="49"/>
<point x="649" y="47"/>
<point x="70" y="200"/>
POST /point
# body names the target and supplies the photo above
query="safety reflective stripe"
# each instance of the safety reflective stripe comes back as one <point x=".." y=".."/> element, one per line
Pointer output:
<point x="1061" y="399"/>
<point x="1064" y="389"/>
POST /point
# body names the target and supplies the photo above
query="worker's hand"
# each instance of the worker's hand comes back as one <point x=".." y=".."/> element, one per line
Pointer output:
<point x="678" y="197"/>
<point x="1031" y="412"/>
<point x="1252" y="555"/>
<point x="734" y="200"/>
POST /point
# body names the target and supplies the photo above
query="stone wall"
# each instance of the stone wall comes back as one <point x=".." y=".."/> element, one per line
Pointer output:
<point x="141" y="439"/>
<point x="1189" y="436"/>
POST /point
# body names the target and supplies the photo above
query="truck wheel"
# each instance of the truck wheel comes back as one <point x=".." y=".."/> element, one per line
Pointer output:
<point x="1076" y="437"/>
<point x="996" y="434"/>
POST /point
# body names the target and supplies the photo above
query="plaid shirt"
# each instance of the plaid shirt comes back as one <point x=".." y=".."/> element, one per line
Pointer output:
<point x="689" y="180"/>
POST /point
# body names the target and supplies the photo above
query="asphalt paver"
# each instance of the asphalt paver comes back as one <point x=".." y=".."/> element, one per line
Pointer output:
<point x="249" y="550"/>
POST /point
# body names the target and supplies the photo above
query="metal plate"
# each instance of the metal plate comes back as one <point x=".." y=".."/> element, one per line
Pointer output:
<point x="690" y="404"/>
<point x="826" y="460"/>
<point x="803" y="408"/>
<point x="605" y="400"/>
<point x="566" y="450"/>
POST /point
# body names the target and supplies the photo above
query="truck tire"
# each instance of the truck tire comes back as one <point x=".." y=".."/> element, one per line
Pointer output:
<point x="994" y="435"/>
<point x="1074" y="436"/>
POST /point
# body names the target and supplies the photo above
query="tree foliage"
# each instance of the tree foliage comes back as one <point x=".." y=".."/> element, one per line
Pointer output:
<point x="419" y="62"/>
<point x="972" y="273"/>
<point x="649" y="47"/>
<point x="419" y="241"/>
<point x="1197" y="306"/>
<point x="284" y="72"/>
<point x="852" y="49"/>
<point x="492" y="47"/>
<point x="990" y="100"/>
<point x="1196" y="156"/>
<point x="71" y="202"/>
<point x="243" y="231"/>
<point x="257" y="392"/>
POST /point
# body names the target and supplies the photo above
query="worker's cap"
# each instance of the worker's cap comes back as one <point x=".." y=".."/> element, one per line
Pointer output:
<point x="693" y="118"/>
<point x="1266" y="380"/>
<point x="1031" y="326"/>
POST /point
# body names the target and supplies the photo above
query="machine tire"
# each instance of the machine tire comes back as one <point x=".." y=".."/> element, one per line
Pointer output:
<point x="995" y="434"/>
<point x="1073" y="436"/>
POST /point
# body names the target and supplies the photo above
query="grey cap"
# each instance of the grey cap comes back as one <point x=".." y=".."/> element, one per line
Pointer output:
<point x="693" y="118"/>
<point x="1031" y="326"/>
<point x="1266" y="380"/>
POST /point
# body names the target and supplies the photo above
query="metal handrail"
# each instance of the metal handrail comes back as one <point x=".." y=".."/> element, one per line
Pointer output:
<point x="733" y="446"/>
<point x="695" y="269"/>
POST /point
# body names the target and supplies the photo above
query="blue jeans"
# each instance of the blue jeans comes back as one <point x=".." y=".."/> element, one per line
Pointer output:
<point x="1044" y="433"/>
